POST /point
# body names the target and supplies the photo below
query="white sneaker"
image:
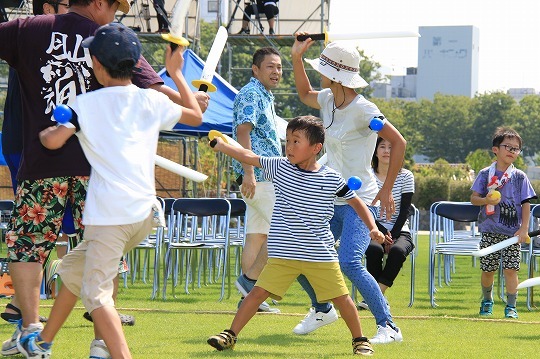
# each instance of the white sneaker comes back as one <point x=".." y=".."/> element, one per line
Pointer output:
<point x="362" y="305"/>
<point x="314" y="320"/>
<point x="265" y="307"/>
<point x="98" y="350"/>
<point x="9" y="347"/>
<point x="387" y="335"/>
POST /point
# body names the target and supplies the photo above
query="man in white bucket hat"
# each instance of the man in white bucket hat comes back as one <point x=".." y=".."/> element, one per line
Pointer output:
<point x="350" y="143"/>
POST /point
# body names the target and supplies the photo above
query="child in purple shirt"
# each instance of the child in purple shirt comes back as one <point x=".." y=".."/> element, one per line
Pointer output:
<point x="504" y="194"/>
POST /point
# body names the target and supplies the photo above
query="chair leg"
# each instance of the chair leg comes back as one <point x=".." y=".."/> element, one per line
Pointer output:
<point x="166" y="266"/>
<point x="146" y="262"/>
<point x="432" y="288"/>
<point x="411" y="297"/>
<point x="530" y="305"/>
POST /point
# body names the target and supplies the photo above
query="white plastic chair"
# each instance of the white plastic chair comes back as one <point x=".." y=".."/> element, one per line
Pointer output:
<point x="533" y="252"/>
<point x="414" y="222"/>
<point x="445" y="241"/>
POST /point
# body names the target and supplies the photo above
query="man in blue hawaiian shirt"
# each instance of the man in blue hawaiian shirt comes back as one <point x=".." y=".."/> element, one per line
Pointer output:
<point x="254" y="127"/>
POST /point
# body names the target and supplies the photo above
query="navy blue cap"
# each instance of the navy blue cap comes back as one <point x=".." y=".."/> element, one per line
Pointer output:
<point x="115" y="46"/>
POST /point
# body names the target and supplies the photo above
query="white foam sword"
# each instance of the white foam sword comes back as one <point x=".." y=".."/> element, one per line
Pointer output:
<point x="332" y="36"/>
<point x="205" y="82"/>
<point x="176" y="29"/>
<point x="501" y="245"/>
<point x="531" y="282"/>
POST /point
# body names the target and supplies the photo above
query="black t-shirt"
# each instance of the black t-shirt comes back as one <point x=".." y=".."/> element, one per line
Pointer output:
<point x="53" y="68"/>
<point x="12" y="142"/>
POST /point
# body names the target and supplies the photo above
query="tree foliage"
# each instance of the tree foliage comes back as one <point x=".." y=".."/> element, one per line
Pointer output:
<point x="479" y="159"/>
<point x="527" y="123"/>
<point x="456" y="129"/>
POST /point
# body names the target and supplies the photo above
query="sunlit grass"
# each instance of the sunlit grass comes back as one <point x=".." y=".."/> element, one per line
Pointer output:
<point x="178" y="327"/>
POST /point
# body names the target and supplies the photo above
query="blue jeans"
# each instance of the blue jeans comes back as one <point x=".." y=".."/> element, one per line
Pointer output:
<point x="354" y="240"/>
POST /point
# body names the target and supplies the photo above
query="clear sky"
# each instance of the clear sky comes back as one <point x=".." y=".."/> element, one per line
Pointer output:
<point x="509" y="34"/>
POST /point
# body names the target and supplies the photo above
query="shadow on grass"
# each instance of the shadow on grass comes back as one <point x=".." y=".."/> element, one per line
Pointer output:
<point x="274" y="342"/>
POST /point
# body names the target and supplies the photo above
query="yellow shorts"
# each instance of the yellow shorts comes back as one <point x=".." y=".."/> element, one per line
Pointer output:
<point x="325" y="278"/>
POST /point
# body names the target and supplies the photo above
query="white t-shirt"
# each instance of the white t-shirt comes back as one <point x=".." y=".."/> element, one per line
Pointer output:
<point x="350" y="142"/>
<point x="119" y="130"/>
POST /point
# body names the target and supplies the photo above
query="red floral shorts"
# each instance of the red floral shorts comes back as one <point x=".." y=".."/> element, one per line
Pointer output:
<point x="37" y="217"/>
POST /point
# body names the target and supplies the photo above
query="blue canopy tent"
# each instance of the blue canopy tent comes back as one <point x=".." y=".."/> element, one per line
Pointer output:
<point x="2" y="159"/>
<point x="218" y="116"/>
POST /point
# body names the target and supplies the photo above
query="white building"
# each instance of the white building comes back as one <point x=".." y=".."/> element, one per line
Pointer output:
<point x="211" y="9"/>
<point x="518" y="93"/>
<point x="402" y="87"/>
<point x="447" y="61"/>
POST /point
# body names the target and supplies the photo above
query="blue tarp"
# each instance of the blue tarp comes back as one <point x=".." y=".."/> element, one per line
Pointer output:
<point x="2" y="159"/>
<point x="218" y="116"/>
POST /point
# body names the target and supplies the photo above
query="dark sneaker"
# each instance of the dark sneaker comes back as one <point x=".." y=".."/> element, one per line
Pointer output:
<point x="362" y="346"/>
<point x="244" y="285"/>
<point x="264" y="307"/>
<point x="362" y="305"/>
<point x="271" y="32"/>
<point x="486" y="308"/>
<point x="510" y="312"/>
<point x="243" y="31"/>
<point x="224" y="340"/>
<point x="127" y="320"/>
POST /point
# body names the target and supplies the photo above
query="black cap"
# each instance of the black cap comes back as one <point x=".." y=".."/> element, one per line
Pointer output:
<point x="115" y="46"/>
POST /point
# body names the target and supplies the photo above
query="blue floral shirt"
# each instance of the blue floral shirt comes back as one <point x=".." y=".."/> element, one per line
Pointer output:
<point x="255" y="104"/>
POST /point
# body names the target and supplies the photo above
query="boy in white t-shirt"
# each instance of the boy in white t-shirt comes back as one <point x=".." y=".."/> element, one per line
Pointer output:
<point x="118" y="128"/>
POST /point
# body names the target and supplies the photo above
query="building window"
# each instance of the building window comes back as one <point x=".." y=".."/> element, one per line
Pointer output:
<point x="212" y="6"/>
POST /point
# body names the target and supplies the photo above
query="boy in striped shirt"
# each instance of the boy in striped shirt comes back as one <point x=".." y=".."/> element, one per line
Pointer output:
<point x="300" y="240"/>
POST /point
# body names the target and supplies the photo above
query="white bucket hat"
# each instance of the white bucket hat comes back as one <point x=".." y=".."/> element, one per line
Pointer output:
<point x="340" y="63"/>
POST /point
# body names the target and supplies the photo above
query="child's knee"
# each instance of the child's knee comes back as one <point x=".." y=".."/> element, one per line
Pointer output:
<point x="258" y="293"/>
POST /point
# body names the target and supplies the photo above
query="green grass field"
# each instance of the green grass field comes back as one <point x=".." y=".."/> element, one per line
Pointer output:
<point x="178" y="327"/>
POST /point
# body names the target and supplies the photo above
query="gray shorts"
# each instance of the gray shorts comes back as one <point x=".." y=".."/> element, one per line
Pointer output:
<point x="511" y="255"/>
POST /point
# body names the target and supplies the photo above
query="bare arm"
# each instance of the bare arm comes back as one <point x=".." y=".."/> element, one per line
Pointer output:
<point x="240" y="154"/>
<point x="55" y="137"/>
<point x="478" y="200"/>
<point x="398" y="143"/>
<point x="202" y="97"/>
<point x="524" y="228"/>
<point x="303" y="87"/>
<point x="191" y="112"/>
<point x="248" y="181"/>
<point x="363" y="212"/>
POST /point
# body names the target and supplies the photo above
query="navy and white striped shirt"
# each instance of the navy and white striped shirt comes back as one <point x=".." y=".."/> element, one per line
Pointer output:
<point x="300" y="226"/>
<point x="404" y="183"/>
